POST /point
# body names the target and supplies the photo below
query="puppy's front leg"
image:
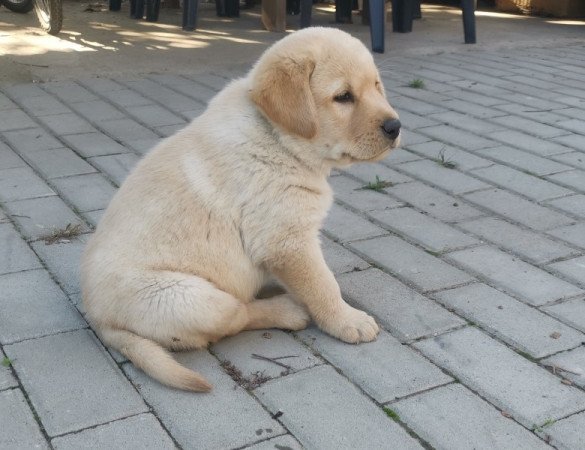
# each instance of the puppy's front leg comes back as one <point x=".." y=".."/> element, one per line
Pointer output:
<point x="304" y="271"/>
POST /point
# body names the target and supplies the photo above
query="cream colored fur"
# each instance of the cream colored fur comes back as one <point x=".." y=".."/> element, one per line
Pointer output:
<point x="233" y="201"/>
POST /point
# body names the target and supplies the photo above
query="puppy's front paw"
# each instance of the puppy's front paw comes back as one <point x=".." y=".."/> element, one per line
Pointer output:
<point x="291" y="315"/>
<point x="352" y="326"/>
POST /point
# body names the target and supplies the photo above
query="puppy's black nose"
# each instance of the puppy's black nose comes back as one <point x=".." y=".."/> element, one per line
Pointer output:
<point x="391" y="128"/>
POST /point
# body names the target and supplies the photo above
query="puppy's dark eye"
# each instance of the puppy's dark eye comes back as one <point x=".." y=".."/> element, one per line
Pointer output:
<point x="344" y="97"/>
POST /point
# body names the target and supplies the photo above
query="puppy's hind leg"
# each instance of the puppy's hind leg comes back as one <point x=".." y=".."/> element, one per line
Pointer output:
<point x="280" y="311"/>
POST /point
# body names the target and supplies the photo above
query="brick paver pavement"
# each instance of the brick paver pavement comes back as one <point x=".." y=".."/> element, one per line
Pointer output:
<point x="471" y="255"/>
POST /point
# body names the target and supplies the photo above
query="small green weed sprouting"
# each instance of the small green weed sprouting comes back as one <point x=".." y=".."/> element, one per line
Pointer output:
<point x="377" y="185"/>
<point x="393" y="415"/>
<point x="6" y="361"/>
<point x="417" y="83"/>
<point x="546" y="423"/>
<point x="443" y="161"/>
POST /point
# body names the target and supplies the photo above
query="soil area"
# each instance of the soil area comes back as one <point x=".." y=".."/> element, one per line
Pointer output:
<point x="97" y="42"/>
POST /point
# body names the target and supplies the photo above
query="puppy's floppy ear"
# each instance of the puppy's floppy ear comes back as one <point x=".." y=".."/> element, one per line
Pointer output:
<point x="282" y="91"/>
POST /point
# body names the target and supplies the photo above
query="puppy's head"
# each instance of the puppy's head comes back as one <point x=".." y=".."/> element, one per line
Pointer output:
<point x="321" y="85"/>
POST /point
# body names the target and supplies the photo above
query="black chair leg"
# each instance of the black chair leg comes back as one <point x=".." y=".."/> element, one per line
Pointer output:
<point x="306" y="10"/>
<point x="152" y="9"/>
<point x="138" y="12"/>
<point x="343" y="11"/>
<point x="402" y="16"/>
<point x="115" y="5"/>
<point x="377" y="19"/>
<point x="468" y="12"/>
<point x="190" y="14"/>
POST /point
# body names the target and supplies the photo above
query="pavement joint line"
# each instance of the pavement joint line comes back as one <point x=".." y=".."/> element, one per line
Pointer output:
<point x="126" y="112"/>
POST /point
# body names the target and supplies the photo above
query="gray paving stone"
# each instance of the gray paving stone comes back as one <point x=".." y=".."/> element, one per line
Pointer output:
<point x="15" y="254"/>
<point x="528" y="112"/>
<point x="43" y="105"/>
<point x="514" y="276"/>
<point x="127" y="130"/>
<point x="572" y="140"/>
<point x="19" y="428"/>
<point x="63" y="259"/>
<point x="347" y="226"/>
<point x="467" y="123"/>
<point x="93" y="217"/>
<point x="187" y="87"/>
<point x="286" y="442"/>
<point x="6" y="103"/>
<point x="450" y="180"/>
<point x="401" y="310"/>
<point x="514" y="180"/>
<point x="457" y="137"/>
<point x="518" y="209"/>
<point x="63" y="124"/>
<point x="575" y="159"/>
<point x="116" y="167"/>
<point x="69" y="91"/>
<point x="15" y="119"/>
<point x="500" y="314"/>
<point x="530" y="394"/>
<point x="86" y="192"/>
<point x="144" y="146"/>
<point x="169" y="130"/>
<point x="169" y="98"/>
<point x="23" y="90"/>
<point x="385" y="368"/>
<point x="414" y="106"/>
<point x="410" y="263"/>
<point x="239" y="349"/>
<point x="186" y="415"/>
<point x="138" y="432"/>
<point x="32" y="140"/>
<point x="529" y="126"/>
<point x="97" y="111"/>
<point x="9" y="159"/>
<point x="436" y="150"/>
<point x="434" y="202"/>
<point x="567" y="434"/>
<point x="408" y="137"/>
<point x="573" y="269"/>
<point x="125" y="98"/>
<point x="574" y="234"/>
<point x="430" y="233"/>
<point x="524" y="161"/>
<point x="94" y="144"/>
<point x="21" y="183"/>
<point x="355" y="194"/>
<point x="416" y="121"/>
<point x="571" y="312"/>
<point x="339" y="259"/>
<point x="154" y="115"/>
<point x="578" y="126"/>
<point x="574" y="205"/>
<point x="451" y="417"/>
<point x="212" y="80"/>
<point x="570" y="365"/>
<point x="532" y="246"/>
<point x="472" y="109"/>
<point x="38" y="217"/>
<point x="7" y="380"/>
<point x="315" y="409"/>
<point x="65" y="373"/>
<point x="574" y="179"/>
<point x="98" y="84"/>
<point x="57" y="163"/>
<point x="32" y="306"/>
<point x="368" y="173"/>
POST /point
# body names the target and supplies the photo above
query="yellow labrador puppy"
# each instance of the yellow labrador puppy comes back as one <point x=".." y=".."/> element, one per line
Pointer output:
<point x="235" y="200"/>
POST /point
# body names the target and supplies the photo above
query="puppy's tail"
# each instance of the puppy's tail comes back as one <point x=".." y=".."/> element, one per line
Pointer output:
<point x="154" y="360"/>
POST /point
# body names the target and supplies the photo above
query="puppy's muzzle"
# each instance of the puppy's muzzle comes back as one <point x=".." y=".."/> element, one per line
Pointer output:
<point x="391" y="128"/>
